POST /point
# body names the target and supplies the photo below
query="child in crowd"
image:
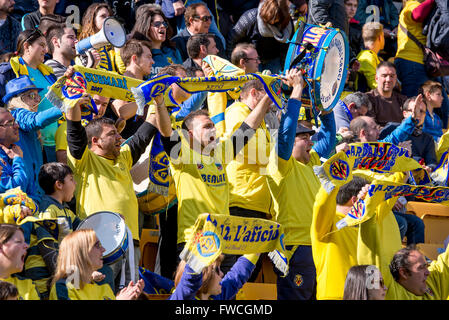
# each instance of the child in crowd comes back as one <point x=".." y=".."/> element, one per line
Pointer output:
<point x="374" y="41"/>
<point x="212" y="284"/>
<point x="8" y="291"/>
<point x="364" y="282"/>
<point x="56" y="179"/>
<point x="433" y="95"/>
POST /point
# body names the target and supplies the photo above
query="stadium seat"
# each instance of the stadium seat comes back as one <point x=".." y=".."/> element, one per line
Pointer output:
<point x="257" y="291"/>
<point x="266" y="273"/>
<point x="148" y="248"/>
<point x="430" y="250"/>
<point x="421" y="208"/>
<point x="436" y="228"/>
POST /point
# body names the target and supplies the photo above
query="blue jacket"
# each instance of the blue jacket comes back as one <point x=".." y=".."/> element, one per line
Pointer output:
<point x="434" y="126"/>
<point x="13" y="174"/>
<point x="29" y="123"/>
<point x="164" y="57"/>
<point x="325" y="137"/>
<point x="191" y="282"/>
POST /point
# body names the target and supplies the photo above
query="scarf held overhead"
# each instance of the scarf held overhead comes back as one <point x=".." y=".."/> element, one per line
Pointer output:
<point x="215" y="234"/>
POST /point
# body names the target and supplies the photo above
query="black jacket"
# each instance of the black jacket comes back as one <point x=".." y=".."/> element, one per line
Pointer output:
<point x="246" y="30"/>
<point x="322" y="11"/>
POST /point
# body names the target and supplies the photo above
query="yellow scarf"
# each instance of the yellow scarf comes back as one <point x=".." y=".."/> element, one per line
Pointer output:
<point x="215" y="234"/>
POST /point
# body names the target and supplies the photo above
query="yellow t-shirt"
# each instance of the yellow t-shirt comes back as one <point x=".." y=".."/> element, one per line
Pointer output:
<point x="61" y="137"/>
<point x="105" y="185"/>
<point x="247" y="173"/>
<point x="334" y="251"/>
<point x="293" y="186"/>
<point x="201" y="184"/>
<point x="90" y="291"/>
<point x="407" y="48"/>
<point x="27" y="289"/>
<point x="369" y="61"/>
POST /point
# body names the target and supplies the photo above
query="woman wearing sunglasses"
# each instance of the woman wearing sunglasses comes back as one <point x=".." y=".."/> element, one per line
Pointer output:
<point x="212" y="284"/>
<point x="151" y="24"/>
<point x="22" y="100"/>
<point x="29" y="61"/>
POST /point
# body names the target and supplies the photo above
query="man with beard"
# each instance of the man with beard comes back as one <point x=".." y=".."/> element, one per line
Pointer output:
<point x="387" y="103"/>
<point x="61" y="45"/>
<point x="9" y="27"/>
<point x="101" y="165"/>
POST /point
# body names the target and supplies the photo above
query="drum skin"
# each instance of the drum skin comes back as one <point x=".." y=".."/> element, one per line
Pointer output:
<point x="111" y="230"/>
<point x="325" y="66"/>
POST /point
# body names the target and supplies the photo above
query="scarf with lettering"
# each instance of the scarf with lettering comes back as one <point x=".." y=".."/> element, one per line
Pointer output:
<point x="145" y="92"/>
<point x="215" y="234"/>
<point x="218" y="101"/>
<point x="378" y="157"/>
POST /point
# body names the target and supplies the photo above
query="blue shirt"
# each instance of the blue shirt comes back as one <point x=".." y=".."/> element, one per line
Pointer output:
<point x="49" y="131"/>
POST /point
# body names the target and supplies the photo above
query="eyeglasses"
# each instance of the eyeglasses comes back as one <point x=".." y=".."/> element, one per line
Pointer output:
<point x="36" y="33"/>
<point x="158" y="24"/>
<point x="8" y="124"/>
<point x="204" y="19"/>
<point x="31" y="95"/>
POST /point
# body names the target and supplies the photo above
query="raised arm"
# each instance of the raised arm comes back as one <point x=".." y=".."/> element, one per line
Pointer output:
<point x="289" y="119"/>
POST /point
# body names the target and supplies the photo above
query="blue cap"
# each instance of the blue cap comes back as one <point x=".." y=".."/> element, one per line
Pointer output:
<point x="17" y="86"/>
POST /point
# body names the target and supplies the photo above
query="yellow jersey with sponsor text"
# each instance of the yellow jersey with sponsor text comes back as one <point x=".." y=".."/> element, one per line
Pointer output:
<point x="247" y="173"/>
<point x="201" y="184"/>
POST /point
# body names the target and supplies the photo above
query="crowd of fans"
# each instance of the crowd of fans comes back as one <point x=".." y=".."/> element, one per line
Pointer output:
<point x="71" y="167"/>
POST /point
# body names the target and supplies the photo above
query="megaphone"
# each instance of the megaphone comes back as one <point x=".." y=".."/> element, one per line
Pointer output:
<point x="112" y="32"/>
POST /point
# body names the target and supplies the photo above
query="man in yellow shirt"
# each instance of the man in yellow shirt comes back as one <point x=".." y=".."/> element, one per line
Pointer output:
<point x="198" y="161"/>
<point x="293" y="187"/>
<point x="248" y="188"/>
<point x="101" y="165"/>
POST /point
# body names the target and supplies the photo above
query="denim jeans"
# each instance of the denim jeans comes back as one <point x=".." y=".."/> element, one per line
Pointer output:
<point x="412" y="75"/>
<point x="410" y="226"/>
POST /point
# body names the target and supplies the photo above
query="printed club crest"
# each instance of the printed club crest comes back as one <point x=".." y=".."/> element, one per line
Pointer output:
<point x="339" y="170"/>
<point x="358" y="210"/>
<point x="74" y="87"/>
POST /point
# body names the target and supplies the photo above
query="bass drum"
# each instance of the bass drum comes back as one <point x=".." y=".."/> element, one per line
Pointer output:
<point x="112" y="232"/>
<point x="326" y="64"/>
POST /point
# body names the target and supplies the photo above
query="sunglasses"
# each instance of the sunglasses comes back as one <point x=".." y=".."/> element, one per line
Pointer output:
<point x="35" y="34"/>
<point x="204" y="19"/>
<point x="31" y="95"/>
<point x="158" y="24"/>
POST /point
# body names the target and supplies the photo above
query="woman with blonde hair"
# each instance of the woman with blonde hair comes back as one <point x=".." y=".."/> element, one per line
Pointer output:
<point x="80" y="255"/>
<point x="13" y="250"/>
